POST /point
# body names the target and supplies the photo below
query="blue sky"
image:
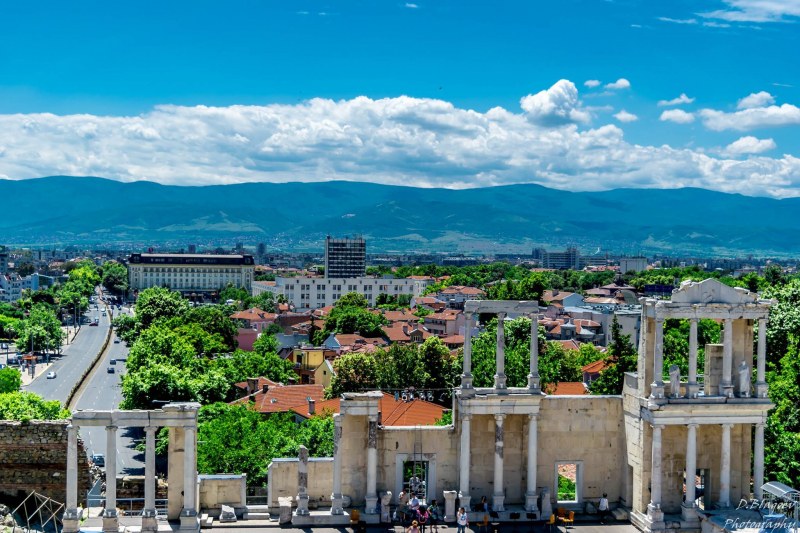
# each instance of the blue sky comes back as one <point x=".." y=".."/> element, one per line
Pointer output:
<point x="85" y="84"/>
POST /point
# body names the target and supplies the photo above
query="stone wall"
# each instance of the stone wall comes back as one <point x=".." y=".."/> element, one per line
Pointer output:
<point x="283" y="480"/>
<point x="33" y="457"/>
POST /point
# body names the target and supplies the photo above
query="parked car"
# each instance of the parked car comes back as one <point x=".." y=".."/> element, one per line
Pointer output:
<point x="51" y="375"/>
<point x="110" y="370"/>
<point x="99" y="459"/>
<point x="116" y="341"/>
<point x="113" y="362"/>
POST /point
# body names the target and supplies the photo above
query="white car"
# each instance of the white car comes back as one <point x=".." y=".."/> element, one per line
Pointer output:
<point x="51" y="375"/>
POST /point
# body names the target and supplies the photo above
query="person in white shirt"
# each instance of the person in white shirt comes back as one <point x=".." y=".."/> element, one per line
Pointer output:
<point x="602" y="507"/>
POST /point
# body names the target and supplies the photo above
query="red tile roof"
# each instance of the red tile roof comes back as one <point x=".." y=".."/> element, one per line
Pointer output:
<point x="548" y="296"/>
<point x="571" y="344"/>
<point x="596" y="367"/>
<point x="254" y="314"/>
<point x="281" y="398"/>
<point x="567" y="388"/>
<point x="393" y="412"/>
<point x="461" y="289"/>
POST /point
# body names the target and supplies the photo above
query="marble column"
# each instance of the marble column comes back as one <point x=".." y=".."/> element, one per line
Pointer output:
<point x="464" y="462"/>
<point x="189" y="511"/>
<point x="336" y="497"/>
<point x="500" y="356"/>
<point x="688" y="509"/>
<point x="533" y="377"/>
<point x="761" y="359"/>
<point x="466" y="376"/>
<point x="654" y="508"/>
<point x="726" y="384"/>
<point x="692" y="388"/>
<point x="725" y="468"/>
<point x="149" y="515"/>
<point x="110" y="518"/>
<point x="71" y="520"/>
<point x="530" y="493"/>
<point x="302" y="481"/>
<point x="372" y="465"/>
<point x="499" y="494"/>
<point x="758" y="461"/>
<point x="657" y="387"/>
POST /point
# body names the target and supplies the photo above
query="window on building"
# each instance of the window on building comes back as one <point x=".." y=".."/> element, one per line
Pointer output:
<point x="568" y="481"/>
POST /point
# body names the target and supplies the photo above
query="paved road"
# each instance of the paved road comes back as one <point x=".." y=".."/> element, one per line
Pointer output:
<point x="75" y="358"/>
<point x="103" y="392"/>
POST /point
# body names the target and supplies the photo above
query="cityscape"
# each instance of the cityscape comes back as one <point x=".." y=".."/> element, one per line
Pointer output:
<point x="371" y="266"/>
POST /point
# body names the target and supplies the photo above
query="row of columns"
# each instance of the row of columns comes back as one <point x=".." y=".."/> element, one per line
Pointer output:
<point x="110" y="516"/>
<point x="688" y="506"/>
<point x="498" y="495"/>
<point x="500" y="379"/>
<point x="726" y="385"/>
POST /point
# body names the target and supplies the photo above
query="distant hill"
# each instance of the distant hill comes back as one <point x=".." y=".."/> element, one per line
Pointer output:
<point x="513" y="218"/>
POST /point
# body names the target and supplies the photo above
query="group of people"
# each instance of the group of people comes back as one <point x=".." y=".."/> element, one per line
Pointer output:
<point x="411" y="511"/>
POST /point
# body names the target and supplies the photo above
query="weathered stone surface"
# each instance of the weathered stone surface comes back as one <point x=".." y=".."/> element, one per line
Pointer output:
<point x="33" y="456"/>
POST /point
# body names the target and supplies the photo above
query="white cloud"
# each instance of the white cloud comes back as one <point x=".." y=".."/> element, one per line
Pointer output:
<point x="678" y="21"/>
<point x="749" y="145"/>
<point x="591" y="83"/>
<point x="682" y="99"/>
<point x="676" y="115"/>
<point x="555" y="106"/>
<point x="402" y="141"/>
<point x="753" y="118"/>
<point x="624" y="116"/>
<point x="759" y="99"/>
<point x="756" y="11"/>
<point x="412" y="6"/>
<point x="621" y="83"/>
<point x="712" y="24"/>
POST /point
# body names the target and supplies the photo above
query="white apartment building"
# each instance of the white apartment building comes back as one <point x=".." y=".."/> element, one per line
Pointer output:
<point x="12" y="286"/>
<point x="190" y="273"/>
<point x="312" y="293"/>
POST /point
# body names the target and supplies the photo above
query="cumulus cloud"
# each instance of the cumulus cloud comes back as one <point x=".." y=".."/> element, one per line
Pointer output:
<point x="676" y="115"/>
<point x="682" y="99"/>
<point x="749" y="145"/>
<point x="756" y="11"/>
<point x="759" y="99"/>
<point x="624" y="116"/>
<point x="753" y="118"/>
<point x="554" y="106"/>
<point x="621" y="83"/>
<point x="402" y="141"/>
<point x="592" y="83"/>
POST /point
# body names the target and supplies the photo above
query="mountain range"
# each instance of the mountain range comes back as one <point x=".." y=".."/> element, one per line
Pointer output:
<point x="60" y="210"/>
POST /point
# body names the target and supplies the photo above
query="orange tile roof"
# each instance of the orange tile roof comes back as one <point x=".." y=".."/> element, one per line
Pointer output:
<point x="596" y="367"/>
<point x="453" y="339"/>
<point x="567" y="388"/>
<point x="261" y="382"/>
<point x="281" y="398"/>
<point x="254" y="314"/>
<point x="462" y="289"/>
<point x="447" y="314"/>
<point x="393" y="412"/>
<point x="571" y="344"/>
<point x="548" y="296"/>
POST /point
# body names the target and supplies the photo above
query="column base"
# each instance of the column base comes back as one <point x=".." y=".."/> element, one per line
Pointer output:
<point x="692" y="390"/>
<point x="336" y="504"/>
<point x="534" y="383"/>
<point x="761" y="389"/>
<point x="654" y="513"/>
<point x="500" y="384"/>
<point x="71" y="521"/>
<point x="726" y="389"/>
<point x="149" y="523"/>
<point x="302" y="505"/>
<point x="467" y="391"/>
<point x="371" y="505"/>
<point x="530" y="502"/>
<point x="497" y="503"/>
<point x="689" y="512"/>
<point x="111" y="524"/>
<point x="464" y="500"/>
<point x="657" y="391"/>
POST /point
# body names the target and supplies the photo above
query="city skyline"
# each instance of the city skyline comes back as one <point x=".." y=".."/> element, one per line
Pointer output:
<point x="584" y="95"/>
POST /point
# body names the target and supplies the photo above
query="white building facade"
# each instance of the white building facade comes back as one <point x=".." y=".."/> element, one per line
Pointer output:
<point x="312" y="293"/>
<point x="187" y="273"/>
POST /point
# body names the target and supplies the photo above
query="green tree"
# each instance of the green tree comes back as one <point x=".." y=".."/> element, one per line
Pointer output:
<point x="41" y="330"/>
<point x="622" y="357"/>
<point x="442" y="368"/>
<point x="161" y="345"/>
<point x="115" y="277"/>
<point x="352" y="299"/>
<point x="10" y="380"/>
<point x="355" y="372"/>
<point x="26" y="406"/>
<point x="158" y="303"/>
<point x="234" y="293"/>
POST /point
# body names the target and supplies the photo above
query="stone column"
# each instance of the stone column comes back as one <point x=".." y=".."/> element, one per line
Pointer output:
<point x="500" y="356"/>
<point x="726" y="384"/>
<point x="725" y="468"/>
<point x="372" y="465"/>
<point x="149" y="515"/>
<point x="758" y="461"/>
<point x="533" y="376"/>
<point x="530" y="493"/>
<point x="110" y="519"/>
<point x="761" y="358"/>
<point x="654" y="512"/>
<point x="499" y="494"/>
<point x="189" y="511"/>
<point x="464" y="462"/>
<point x="71" y="520"/>
<point x="450" y="505"/>
<point x="336" y="497"/>
<point x="466" y="376"/>
<point x="657" y="387"/>
<point x="688" y="509"/>
<point x="692" y="388"/>
<point x="302" y="481"/>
